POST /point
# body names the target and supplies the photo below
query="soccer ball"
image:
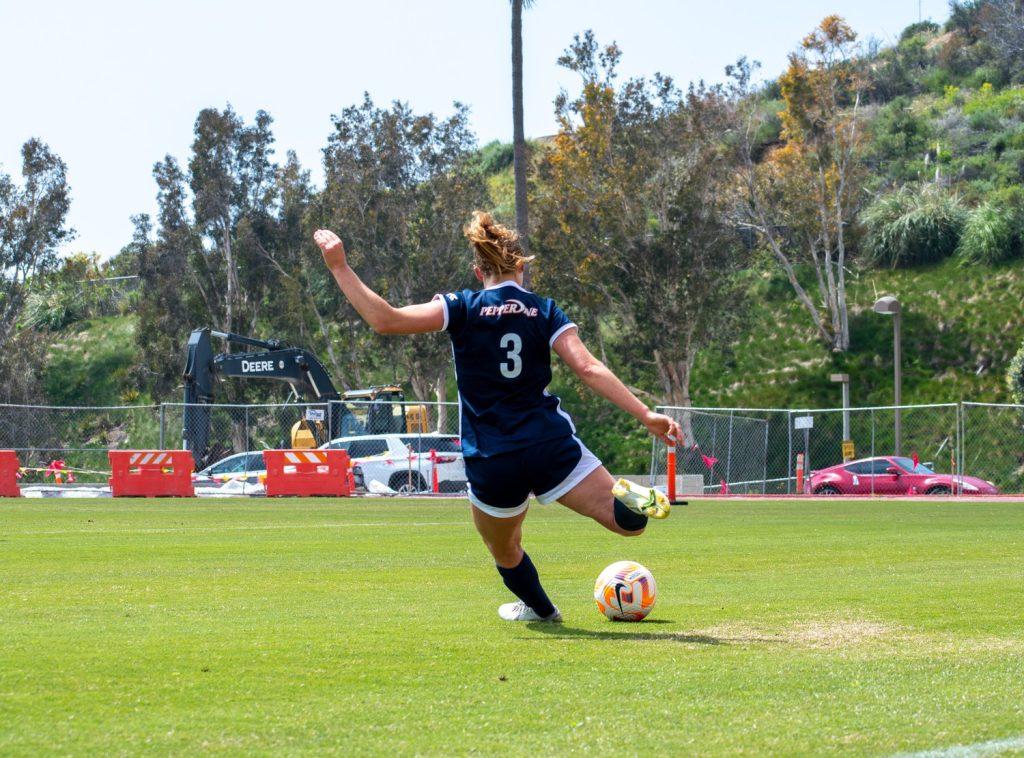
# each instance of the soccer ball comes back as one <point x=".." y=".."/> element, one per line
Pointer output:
<point x="625" y="591"/>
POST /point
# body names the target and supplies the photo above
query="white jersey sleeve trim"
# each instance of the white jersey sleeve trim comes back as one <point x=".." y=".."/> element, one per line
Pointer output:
<point x="559" y="331"/>
<point x="444" y="302"/>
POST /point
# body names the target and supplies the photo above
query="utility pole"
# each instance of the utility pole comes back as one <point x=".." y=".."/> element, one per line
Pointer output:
<point x="890" y="306"/>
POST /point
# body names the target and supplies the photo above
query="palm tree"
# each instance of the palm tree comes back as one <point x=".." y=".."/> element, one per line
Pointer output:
<point x="518" y="136"/>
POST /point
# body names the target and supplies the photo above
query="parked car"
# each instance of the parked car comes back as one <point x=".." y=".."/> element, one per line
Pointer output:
<point x="247" y="467"/>
<point x="402" y="461"/>
<point x="893" y="475"/>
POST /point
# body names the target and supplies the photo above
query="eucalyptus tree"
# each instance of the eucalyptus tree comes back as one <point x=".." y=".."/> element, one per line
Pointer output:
<point x="33" y="226"/>
<point x="634" y="229"/>
<point x="399" y="188"/>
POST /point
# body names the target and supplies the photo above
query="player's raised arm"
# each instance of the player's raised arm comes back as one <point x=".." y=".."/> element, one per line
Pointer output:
<point x="601" y="380"/>
<point x="375" y="310"/>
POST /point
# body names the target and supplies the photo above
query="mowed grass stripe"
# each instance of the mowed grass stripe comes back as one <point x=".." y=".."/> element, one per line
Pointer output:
<point x="271" y="626"/>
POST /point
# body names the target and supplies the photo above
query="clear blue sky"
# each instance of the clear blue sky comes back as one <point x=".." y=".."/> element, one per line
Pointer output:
<point x="114" y="85"/>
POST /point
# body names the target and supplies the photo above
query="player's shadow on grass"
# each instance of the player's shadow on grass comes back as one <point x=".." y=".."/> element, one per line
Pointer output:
<point x="561" y="630"/>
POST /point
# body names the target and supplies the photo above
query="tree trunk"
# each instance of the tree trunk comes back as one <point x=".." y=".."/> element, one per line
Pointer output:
<point x="518" y="132"/>
<point x="441" y="392"/>
<point x="675" y="378"/>
<point x="332" y="356"/>
<point x="421" y="385"/>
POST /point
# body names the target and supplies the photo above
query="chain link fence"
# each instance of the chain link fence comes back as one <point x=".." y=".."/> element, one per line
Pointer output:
<point x="737" y="451"/>
<point x="80" y="436"/>
<point x="992" y="444"/>
<point x="759" y="451"/>
<point x="391" y="442"/>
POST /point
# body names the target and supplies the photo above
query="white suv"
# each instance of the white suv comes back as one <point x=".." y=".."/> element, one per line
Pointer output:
<point x="402" y="461"/>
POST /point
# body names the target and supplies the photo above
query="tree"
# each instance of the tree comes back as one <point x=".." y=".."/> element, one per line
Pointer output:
<point x="519" y="159"/>
<point x="1002" y="24"/>
<point x="802" y="198"/>
<point x="399" y="188"/>
<point x="232" y="181"/>
<point x="633" y="215"/>
<point x="33" y="225"/>
<point x="169" y="306"/>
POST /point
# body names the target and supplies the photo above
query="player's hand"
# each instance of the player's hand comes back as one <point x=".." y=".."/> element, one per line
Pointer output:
<point x="662" y="427"/>
<point x="332" y="247"/>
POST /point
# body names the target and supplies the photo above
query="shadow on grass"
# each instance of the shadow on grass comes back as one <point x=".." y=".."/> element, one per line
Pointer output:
<point x="561" y="630"/>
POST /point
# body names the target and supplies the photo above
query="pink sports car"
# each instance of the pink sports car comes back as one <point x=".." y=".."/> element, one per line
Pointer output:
<point x="893" y="475"/>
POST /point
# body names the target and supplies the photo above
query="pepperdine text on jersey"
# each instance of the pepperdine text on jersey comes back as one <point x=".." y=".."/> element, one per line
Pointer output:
<point x="514" y="307"/>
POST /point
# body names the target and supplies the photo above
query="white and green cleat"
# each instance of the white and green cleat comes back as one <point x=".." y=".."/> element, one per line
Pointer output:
<point x="646" y="501"/>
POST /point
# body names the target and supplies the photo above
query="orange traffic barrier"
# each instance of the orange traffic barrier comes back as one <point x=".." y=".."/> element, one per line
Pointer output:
<point x="302" y="473"/>
<point x="151" y="473"/>
<point x="9" y="467"/>
<point x="800" y="473"/>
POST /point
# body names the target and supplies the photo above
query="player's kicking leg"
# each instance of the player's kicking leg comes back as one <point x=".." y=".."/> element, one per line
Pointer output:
<point x="598" y="497"/>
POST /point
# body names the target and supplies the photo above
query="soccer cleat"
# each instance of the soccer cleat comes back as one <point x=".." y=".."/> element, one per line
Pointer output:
<point x="646" y="501"/>
<point x="520" y="611"/>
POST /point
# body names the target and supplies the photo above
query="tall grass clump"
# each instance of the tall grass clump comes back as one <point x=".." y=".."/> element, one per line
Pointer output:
<point x="991" y="235"/>
<point x="913" y="225"/>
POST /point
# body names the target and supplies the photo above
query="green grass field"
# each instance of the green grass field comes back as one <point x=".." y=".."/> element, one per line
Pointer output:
<point x="369" y="626"/>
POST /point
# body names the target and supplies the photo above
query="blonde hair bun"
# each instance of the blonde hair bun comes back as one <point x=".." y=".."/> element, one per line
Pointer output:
<point x="496" y="248"/>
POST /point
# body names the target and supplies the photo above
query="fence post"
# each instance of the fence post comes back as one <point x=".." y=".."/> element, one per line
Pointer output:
<point x="961" y="433"/>
<point x="789" y="453"/>
<point x="872" y="448"/>
<point x="162" y="418"/>
<point x="764" y="470"/>
<point x="246" y="428"/>
<point x="728" y="453"/>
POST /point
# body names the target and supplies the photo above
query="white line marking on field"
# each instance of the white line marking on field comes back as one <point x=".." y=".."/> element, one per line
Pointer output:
<point x="240" y="528"/>
<point x="970" y="751"/>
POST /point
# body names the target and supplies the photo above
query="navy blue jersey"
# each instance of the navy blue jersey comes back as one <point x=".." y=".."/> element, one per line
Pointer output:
<point x="501" y="338"/>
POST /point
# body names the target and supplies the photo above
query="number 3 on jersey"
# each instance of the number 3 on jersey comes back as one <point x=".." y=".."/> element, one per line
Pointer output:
<point x="514" y="344"/>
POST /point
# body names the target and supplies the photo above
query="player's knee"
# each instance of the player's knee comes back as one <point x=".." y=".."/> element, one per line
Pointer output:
<point x="507" y="555"/>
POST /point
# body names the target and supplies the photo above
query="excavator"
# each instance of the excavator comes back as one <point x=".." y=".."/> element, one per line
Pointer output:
<point x="382" y="409"/>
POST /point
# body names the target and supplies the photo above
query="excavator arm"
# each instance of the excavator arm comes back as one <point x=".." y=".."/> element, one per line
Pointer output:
<point x="276" y="361"/>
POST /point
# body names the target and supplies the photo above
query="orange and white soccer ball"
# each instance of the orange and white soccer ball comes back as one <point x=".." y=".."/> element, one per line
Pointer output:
<point x="625" y="591"/>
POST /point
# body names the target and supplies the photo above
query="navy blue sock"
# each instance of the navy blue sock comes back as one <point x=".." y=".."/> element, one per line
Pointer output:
<point x="524" y="583"/>
<point x="627" y="519"/>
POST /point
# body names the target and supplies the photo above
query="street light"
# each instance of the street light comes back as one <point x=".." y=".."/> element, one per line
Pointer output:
<point x="890" y="306"/>
<point x="844" y="379"/>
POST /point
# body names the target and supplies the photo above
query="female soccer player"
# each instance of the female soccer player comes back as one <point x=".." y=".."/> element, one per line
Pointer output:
<point x="516" y="439"/>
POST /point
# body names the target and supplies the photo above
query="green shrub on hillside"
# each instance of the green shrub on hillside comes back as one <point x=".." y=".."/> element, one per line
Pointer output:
<point x="54" y="306"/>
<point x="1015" y="376"/>
<point x="928" y="28"/>
<point x="900" y="139"/>
<point x="992" y="234"/>
<point x="986" y="74"/>
<point x="494" y="157"/>
<point x="1007" y="103"/>
<point x="913" y="225"/>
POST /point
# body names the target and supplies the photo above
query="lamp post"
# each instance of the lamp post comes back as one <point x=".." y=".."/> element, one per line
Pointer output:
<point x="844" y="380"/>
<point x="890" y="306"/>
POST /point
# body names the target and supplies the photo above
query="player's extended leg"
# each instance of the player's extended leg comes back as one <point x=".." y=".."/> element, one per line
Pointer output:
<point x="503" y="537"/>
<point x="593" y="498"/>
